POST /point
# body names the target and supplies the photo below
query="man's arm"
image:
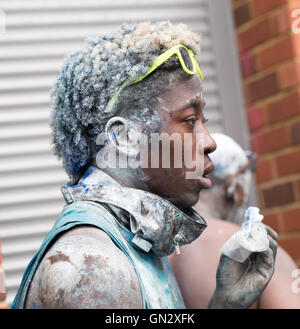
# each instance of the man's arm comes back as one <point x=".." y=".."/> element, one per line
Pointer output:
<point x="278" y="293"/>
<point x="84" y="269"/>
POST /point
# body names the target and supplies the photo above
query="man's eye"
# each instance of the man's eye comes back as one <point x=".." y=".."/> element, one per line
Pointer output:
<point x="204" y="120"/>
<point x="191" y="121"/>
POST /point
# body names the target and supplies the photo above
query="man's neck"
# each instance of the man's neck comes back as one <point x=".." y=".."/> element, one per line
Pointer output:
<point x="208" y="205"/>
<point x="127" y="177"/>
<point x="136" y="178"/>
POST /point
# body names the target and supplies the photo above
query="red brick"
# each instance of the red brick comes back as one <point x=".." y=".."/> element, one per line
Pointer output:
<point x="261" y="7"/>
<point x="295" y="133"/>
<point x="284" y="108"/>
<point x="292" y="220"/>
<point x="265" y="29"/>
<point x="247" y="63"/>
<point x="272" y="221"/>
<point x="255" y="141"/>
<point x="241" y="14"/>
<point x="255" y="35"/>
<point x="289" y="75"/>
<point x="296" y="44"/>
<point x="278" y="195"/>
<point x="276" y="53"/>
<point x="281" y="21"/>
<point x="291" y="245"/>
<point x="263" y="87"/>
<point x="264" y="170"/>
<point x="288" y="164"/>
<point x="270" y="141"/>
<point x="246" y="93"/>
<point x="256" y="117"/>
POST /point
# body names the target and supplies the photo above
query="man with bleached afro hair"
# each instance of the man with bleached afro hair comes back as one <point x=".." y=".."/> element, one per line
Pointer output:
<point x="114" y="101"/>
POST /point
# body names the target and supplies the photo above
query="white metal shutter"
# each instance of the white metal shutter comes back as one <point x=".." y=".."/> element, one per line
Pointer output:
<point x="38" y="34"/>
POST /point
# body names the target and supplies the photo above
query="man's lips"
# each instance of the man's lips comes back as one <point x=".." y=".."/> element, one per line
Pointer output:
<point x="208" y="169"/>
<point x="204" y="180"/>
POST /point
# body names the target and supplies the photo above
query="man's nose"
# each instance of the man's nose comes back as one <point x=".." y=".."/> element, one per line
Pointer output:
<point x="209" y="143"/>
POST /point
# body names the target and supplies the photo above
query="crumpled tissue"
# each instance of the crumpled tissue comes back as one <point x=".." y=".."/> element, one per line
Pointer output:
<point x="252" y="237"/>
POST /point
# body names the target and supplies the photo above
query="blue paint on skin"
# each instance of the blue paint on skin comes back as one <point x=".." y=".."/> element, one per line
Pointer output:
<point x="159" y="125"/>
<point x="34" y="305"/>
<point x="115" y="138"/>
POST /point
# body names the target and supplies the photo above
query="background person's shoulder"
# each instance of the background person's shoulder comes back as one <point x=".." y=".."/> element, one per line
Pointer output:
<point x="217" y="232"/>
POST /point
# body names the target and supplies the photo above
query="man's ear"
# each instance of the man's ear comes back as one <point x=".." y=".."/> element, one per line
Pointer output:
<point x="120" y="133"/>
<point x="238" y="195"/>
<point x="233" y="191"/>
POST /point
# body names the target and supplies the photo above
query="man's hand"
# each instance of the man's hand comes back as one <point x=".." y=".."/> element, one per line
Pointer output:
<point x="239" y="285"/>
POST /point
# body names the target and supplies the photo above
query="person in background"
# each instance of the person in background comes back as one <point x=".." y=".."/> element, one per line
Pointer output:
<point x="224" y="206"/>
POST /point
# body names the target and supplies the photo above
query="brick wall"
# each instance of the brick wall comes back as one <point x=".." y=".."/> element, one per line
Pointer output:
<point x="2" y="284"/>
<point x="270" y="63"/>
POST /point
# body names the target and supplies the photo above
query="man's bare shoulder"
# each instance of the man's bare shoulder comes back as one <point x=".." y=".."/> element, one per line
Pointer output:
<point x="228" y="227"/>
<point x="279" y="293"/>
<point x="217" y="232"/>
<point x="211" y="240"/>
<point x="84" y="269"/>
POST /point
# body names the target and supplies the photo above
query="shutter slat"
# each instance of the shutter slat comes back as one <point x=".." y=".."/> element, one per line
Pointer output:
<point x="78" y="5"/>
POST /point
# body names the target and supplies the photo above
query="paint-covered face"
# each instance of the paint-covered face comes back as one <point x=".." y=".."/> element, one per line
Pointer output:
<point x="181" y="113"/>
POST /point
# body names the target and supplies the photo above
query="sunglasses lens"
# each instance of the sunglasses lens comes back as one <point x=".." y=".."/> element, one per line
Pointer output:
<point x="187" y="59"/>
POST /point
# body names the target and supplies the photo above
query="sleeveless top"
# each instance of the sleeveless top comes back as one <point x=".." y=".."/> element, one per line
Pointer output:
<point x="158" y="285"/>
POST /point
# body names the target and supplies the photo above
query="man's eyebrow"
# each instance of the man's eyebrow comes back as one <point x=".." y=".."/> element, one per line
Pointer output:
<point x="194" y="101"/>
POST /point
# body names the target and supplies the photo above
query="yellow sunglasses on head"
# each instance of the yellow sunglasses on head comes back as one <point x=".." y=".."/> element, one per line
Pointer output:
<point x="187" y="61"/>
